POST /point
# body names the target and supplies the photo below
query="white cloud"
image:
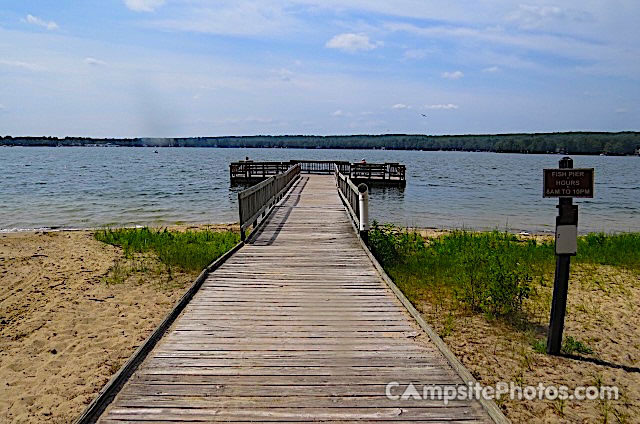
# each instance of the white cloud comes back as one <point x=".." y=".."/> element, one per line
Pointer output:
<point x="34" y="20"/>
<point x="20" y="64"/>
<point x="400" y="106"/>
<point x="486" y="45"/>
<point x="446" y="106"/>
<point x="258" y="119"/>
<point x="143" y="5"/>
<point x="530" y="17"/>
<point x="351" y="43"/>
<point x="283" y="74"/>
<point x="415" y="54"/>
<point x="236" y="18"/>
<point x="491" y="69"/>
<point x="452" y="75"/>
<point x="341" y="113"/>
<point x="497" y="36"/>
<point x="94" y="62"/>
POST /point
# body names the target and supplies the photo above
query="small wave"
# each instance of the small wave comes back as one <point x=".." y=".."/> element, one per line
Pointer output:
<point x="622" y="187"/>
<point x="26" y="230"/>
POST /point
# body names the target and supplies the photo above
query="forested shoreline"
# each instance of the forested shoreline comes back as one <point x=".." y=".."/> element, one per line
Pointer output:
<point x="618" y="143"/>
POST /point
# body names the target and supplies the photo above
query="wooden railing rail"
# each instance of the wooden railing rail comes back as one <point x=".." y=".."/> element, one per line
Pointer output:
<point x="350" y="195"/>
<point x="390" y="173"/>
<point x="322" y="166"/>
<point x="368" y="170"/>
<point x="255" y="200"/>
<point x="378" y="171"/>
<point x="396" y="171"/>
<point x="251" y="169"/>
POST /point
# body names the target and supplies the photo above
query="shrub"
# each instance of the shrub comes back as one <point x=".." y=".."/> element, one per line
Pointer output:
<point x="489" y="272"/>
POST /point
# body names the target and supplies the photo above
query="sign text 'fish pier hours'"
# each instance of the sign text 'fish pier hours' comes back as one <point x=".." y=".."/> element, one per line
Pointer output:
<point x="568" y="182"/>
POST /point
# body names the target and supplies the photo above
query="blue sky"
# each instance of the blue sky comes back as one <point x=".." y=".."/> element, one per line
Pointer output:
<point x="164" y="68"/>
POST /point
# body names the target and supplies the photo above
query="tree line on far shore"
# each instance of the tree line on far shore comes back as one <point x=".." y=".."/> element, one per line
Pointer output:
<point x="619" y="143"/>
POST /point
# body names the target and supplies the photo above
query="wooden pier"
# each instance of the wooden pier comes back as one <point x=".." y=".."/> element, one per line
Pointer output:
<point x="383" y="174"/>
<point x="299" y="326"/>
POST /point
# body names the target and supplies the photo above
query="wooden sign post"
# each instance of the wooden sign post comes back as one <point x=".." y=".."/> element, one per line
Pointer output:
<point x="566" y="183"/>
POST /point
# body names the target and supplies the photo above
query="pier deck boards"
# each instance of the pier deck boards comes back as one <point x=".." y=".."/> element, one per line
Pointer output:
<point x="296" y="327"/>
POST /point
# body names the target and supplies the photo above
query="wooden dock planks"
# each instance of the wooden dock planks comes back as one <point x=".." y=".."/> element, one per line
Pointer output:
<point x="296" y="327"/>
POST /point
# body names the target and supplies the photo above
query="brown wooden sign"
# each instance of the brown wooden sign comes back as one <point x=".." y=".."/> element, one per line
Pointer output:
<point x="568" y="182"/>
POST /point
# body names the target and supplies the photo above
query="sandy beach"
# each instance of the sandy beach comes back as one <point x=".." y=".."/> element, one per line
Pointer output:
<point x="64" y="329"/>
<point x="602" y="311"/>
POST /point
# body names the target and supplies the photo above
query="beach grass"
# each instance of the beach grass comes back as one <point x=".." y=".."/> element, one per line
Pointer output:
<point x="622" y="250"/>
<point x="488" y="272"/>
<point x="188" y="250"/>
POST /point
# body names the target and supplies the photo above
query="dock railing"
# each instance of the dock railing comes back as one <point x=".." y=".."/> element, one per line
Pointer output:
<point x="371" y="173"/>
<point x="396" y="171"/>
<point x="322" y="166"/>
<point x="350" y="195"/>
<point x="378" y="171"/>
<point x="251" y="169"/>
<point x="257" y="199"/>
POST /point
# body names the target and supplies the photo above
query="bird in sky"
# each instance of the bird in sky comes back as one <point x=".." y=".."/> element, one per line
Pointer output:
<point x="423" y="115"/>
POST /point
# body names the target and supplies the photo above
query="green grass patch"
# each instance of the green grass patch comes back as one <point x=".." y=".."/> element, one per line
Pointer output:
<point x="488" y="272"/>
<point x="622" y="250"/>
<point x="571" y="346"/>
<point x="189" y="250"/>
<point x="539" y="345"/>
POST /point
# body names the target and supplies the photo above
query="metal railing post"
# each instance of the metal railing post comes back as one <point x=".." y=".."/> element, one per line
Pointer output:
<point x="242" y="234"/>
<point x="363" y="198"/>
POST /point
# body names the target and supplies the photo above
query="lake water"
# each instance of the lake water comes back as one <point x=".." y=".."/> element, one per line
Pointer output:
<point x="92" y="187"/>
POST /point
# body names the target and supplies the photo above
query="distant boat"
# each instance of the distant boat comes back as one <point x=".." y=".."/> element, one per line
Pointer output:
<point x="155" y="151"/>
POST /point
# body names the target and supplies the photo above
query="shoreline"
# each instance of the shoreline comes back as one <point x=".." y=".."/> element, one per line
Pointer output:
<point x="350" y="148"/>
<point x="178" y="226"/>
<point x="181" y="226"/>
<point x="619" y="143"/>
<point x="234" y="226"/>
